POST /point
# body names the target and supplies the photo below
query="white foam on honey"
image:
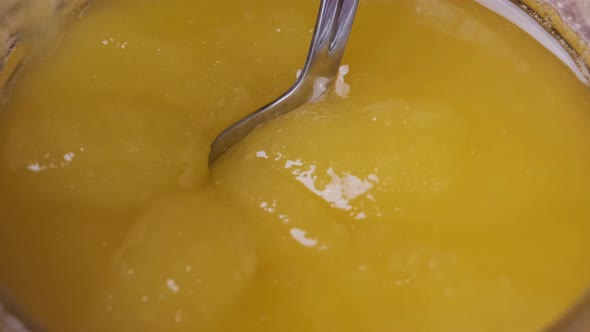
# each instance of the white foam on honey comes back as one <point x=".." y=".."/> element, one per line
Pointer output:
<point x="172" y="285"/>
<point x="69" y="157"/>
<point x="342" y="88"/>
<point x="269" y="207"/>
<point x="291" y="163"/>
<point x="341" y="190"/>
<point x="300" y="236"/>
<point x="47" y="162"/>
<point x="35" y="167"/>
<point x="261" y="154"/>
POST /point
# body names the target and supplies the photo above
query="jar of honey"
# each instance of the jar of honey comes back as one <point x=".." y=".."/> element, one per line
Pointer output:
<point x="446" y="190"/>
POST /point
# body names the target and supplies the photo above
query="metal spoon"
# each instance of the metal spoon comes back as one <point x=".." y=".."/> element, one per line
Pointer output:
<point x="331" y="33"/>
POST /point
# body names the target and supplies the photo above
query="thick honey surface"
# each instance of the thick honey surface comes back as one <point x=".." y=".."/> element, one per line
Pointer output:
<point x="446" y="191"/>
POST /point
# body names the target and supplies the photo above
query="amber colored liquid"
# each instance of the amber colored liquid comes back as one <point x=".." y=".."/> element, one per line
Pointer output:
<point x="448" y="191"/>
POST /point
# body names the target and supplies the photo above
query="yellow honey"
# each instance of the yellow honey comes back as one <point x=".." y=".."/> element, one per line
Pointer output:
<point x="446" y="192"/>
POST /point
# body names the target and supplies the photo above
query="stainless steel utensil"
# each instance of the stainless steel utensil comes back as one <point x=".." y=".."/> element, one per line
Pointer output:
<point x="329" y="40"/>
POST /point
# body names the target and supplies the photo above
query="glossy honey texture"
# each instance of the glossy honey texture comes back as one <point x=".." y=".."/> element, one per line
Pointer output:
<point x="447" y="191"/>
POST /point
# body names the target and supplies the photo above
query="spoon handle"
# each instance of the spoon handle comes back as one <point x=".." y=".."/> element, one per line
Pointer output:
<point x="332" y="29"/>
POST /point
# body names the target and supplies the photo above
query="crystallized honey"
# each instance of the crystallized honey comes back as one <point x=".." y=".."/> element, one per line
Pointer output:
<point x="446" y="191"/>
